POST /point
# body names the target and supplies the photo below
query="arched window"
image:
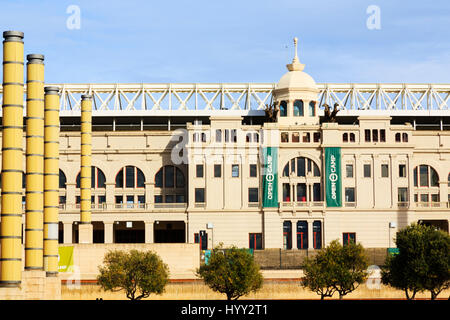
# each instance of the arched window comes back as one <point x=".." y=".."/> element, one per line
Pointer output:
<point x="301" y="167"/>
<point x="426" y="185"/>
<point x="345" y="137"/>
<point x="298" y="108"/>
<point x="283" y="109"/>
<point x="312" y="109"/>
<point x="405" y="137"/>
<point x="425" y="176"/>
<point x="287" y="235"/>
<point x="62" y="179"/>
<point x="130" y="177"/>
<point x="397" y="137"/>
<point x="171" y="181"/>
<point x="98" y="179"/>
<point x="301" y="182"/>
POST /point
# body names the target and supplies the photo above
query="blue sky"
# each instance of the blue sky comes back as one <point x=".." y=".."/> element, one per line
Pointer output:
<point x="235" y="41"/>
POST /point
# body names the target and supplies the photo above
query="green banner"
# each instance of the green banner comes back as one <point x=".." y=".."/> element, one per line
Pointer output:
<point x="65" y="260"/>
<point x="270" y="177"/>
<point x="333" y="177"/>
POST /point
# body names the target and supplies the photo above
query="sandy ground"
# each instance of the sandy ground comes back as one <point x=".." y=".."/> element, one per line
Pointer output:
<point x="196" y="290"/>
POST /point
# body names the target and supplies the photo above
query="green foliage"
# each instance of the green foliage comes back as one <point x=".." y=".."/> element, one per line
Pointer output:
<point x="422" y="264"/>
<point x="336" y="268"/>
<point x="137" y="273"/>
<point x="232" y="272"/>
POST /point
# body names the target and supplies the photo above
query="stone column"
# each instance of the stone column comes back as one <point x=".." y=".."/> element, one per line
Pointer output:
<point x="68" y="232"/>
<point x="149" y="192"/>
<point x="109" y="231"/>
<point x="148" y="231"/>
<point x="109" y="191"/>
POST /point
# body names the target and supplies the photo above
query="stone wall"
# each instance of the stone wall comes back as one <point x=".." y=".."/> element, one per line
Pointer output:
<point x="293" y="259"/>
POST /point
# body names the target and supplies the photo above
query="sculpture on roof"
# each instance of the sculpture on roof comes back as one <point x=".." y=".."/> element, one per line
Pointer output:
<point x="271" y="112"/>
<point x="330" y="116"/>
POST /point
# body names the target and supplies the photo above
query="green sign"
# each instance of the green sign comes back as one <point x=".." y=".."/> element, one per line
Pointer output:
<point x="65" y="259"/>
<point x="393" y="251"/>
<point x="270" y="177"/>
<point x="333" y="177"/>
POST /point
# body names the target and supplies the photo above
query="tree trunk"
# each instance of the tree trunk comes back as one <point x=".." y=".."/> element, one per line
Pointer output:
<point x="433" y="295"/>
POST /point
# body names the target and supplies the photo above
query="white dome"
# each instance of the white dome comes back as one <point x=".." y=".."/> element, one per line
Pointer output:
<point x="296" y="79"/>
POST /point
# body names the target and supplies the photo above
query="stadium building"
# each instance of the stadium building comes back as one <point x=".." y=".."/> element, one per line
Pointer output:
<point x="256" y="165"/>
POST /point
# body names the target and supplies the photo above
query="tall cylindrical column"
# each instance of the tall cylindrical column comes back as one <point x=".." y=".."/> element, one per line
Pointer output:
<point x="86" y="151"/>
<point x="34" y="201"/>
<point x="12" y="157"/>
<point x="51" y="180"/>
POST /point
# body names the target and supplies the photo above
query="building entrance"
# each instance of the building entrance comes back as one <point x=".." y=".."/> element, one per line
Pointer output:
<point x="170" y="232"/>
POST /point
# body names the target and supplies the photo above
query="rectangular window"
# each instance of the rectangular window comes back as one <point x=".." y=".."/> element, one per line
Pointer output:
<point x="306" y="137"/>
<point x="375" y="135"/>
<point x="199" y="171"/>
<point x="130" y="201"/>
<point x="349" y="171"/>
<point x="367" y="135"/>
<point x="367" y="171"/>
<point x="286" y="192"/>
<point x="169" y="175"/>
<point x="435" y="197"/>
<point x="316" y="136"/>
<point x="301" y="167"/>
<point x="218" y="135"/>
<point x="170" y="198"/>
<point x="233" y="135"/>
<point x="402" y="194"/>
<point x="62" y="199"/>
<point x="235" y="170"/>
<point x="129" y="175"/>
<point x="217" y="170"/>
<point x="253" y="171"/>
<point x="119" y="199"/>
<point x="199" y="195"/>
<point x="284" y="137"/>
<point x="348" y="237"/>
<point x="423" y="175"/>
<point x="402" y="170"/>
<point x="255" y="241"/>
<point x="317" y="234"/>
<point x="295" y="137"/>
<point x="179" y="198"/>
<point x="424" y="197"/>
<point x="301" y="192"/>
<point x="158" y="198"/>
<point x="253" y="195"/>
<point x="141" y="199"/>
<point x="316" y="192"/>
<point x="349" y="194"/>
<point x="384" y="171"/>
<point x="101" y="199"/>
<point x="227" y="135"/>
<point x="382" y="135"/>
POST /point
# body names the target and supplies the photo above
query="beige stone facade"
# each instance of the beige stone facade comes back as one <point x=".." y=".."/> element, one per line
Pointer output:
<point x="166" y="184"/>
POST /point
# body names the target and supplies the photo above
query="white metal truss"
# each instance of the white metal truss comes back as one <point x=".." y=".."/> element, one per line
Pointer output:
<point x="250" y="99"/>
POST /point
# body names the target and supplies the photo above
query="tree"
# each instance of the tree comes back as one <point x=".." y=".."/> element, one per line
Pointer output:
<point x="232" y="272"/>
<point x="137" y="273"/>
<point x="336" y="268"/>
<point x="349" y="268"/>
<point x="317" y="277"/>
<point x="422" y="264"/>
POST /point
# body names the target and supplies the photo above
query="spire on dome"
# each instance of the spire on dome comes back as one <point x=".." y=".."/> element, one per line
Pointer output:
<point x="295" y="65"/>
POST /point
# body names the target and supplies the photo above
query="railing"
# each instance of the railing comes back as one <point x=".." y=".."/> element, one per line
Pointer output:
<point x="170" y="205"/>
<point x="403" y="204"/>
<point x="432" y="204"/>
<point x="302" y="204"/>
<point x="350" y="204"/>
